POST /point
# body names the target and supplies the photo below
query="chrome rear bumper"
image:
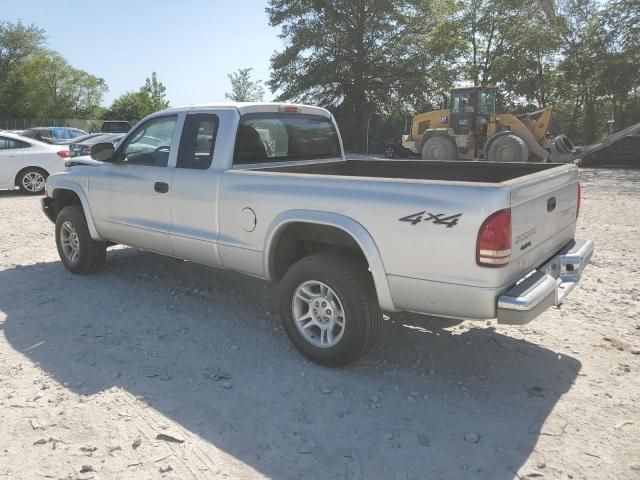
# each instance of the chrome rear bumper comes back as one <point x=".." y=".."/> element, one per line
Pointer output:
<point x="547" y="286"/>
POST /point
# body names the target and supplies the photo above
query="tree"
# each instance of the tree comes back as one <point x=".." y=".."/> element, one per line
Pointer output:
<point x="154" y="94"/>
<point x="150" y="98"/>
<point x="36" y="82"/>
<point x="45" y="85"/>
<point x="17" y="42"/>
<point x="243" y="88"/>
<point x="359" y="58"/>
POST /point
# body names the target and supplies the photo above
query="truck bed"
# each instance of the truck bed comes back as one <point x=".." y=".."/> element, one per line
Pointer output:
<point x="484" y="172"/>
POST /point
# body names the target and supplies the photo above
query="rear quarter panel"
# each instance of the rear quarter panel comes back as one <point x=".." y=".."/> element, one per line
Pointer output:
<point x="424" y="249"/>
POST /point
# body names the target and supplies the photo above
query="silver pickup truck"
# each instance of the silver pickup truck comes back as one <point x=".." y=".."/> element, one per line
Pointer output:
<point x="265" y="189"/>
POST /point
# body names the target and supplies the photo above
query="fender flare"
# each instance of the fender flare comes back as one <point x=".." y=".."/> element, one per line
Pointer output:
<point x="346" y="224"/>
<point x="77" y="189"/>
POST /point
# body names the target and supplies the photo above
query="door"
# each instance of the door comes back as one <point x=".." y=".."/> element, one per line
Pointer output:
<point x="11" y="151"/>
<point x="194" y="196"/>
<point x="130" y="198"/>
<point x="463" y="112"/>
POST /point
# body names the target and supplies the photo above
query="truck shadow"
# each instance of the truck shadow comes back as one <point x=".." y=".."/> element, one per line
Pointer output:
<point x="174" y="332"/>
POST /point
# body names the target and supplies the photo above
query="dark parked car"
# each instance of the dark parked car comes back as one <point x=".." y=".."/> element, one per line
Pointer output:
<point x="393" y="148"/>
<point x="83" y="146"/>
<point x="52" y="134"/>
<point x="79" y="139"/>
<point x="113" y="126"/>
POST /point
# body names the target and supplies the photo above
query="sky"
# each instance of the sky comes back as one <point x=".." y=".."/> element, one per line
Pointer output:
<point x="191" y="44"/>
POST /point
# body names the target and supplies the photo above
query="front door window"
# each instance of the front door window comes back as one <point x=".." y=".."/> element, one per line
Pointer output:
<point x="150" y="143"/>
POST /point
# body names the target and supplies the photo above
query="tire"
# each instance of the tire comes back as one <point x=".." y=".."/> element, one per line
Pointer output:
<point x="78" y="251"/>
<point x="508" y="149"/>
<point x="32" y="180"/>
<point x="439" y="148"/>
<point x="390" y="151"/>
<point x="564" y="144"/>
<point x="348" y="290"/>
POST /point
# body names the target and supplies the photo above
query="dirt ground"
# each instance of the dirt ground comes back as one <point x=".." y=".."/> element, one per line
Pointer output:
<point x="155" y="368"/>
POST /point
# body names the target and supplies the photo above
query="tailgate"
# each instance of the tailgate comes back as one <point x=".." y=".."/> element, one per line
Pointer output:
<point x="543" y="215"/>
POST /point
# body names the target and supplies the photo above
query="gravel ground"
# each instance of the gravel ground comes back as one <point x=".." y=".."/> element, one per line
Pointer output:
<point x="156" y="368"/>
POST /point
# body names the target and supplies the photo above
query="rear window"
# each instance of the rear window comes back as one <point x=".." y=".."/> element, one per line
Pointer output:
<point x="280" y="137"/>
<point x="116" y="127"/>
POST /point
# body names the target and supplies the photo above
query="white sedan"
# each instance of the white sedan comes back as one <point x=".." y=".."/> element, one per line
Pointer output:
<point x="26" y="163"/>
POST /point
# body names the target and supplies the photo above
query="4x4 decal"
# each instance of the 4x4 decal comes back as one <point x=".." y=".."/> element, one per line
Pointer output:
<point x="436" y="219"/>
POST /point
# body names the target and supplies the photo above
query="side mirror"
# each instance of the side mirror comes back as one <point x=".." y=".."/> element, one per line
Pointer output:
<point x="103" y="152"/>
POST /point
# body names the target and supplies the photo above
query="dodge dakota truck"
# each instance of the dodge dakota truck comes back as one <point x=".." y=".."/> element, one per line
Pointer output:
<point x="265" y="189"/>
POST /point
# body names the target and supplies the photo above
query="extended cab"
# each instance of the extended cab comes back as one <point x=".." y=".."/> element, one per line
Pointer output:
<point x="265" y="189"/>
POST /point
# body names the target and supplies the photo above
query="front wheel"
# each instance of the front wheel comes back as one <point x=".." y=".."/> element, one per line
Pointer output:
<point x="329" y="309"/>
<point x="439" y="147"/>
<point x="79" y="252"/>
<point x="508" y="148"/>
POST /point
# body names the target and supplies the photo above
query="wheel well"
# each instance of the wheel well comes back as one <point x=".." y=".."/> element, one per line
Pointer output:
<point x="63" y="198"/>
<point x="19" y="174"/>
<point x="298" y="240"/>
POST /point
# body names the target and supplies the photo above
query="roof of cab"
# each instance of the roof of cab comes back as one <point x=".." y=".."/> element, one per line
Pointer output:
<point x="255" y="107"/>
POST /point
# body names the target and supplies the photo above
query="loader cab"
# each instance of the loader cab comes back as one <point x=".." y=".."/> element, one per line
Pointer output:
<point x="471" y="109"/>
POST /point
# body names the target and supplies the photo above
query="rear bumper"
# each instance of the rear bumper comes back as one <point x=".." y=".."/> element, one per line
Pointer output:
<point x="549" y="285"/>
<point x="48" y="208"/>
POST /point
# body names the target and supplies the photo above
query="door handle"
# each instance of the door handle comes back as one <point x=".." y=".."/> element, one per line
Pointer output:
<point x="161" y="187"/>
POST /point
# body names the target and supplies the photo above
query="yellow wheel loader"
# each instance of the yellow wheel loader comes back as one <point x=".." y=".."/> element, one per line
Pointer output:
<point x="471" y="130"/>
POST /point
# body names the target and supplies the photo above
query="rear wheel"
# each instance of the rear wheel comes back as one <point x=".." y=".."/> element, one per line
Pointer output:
<point x="390" y="151"/>
<point x="508" y="148"/>
<point x="329" y="309"/>
<point x="78" y="251"/>
<point x="439" y="148"/>
<point x="32" y="181"/>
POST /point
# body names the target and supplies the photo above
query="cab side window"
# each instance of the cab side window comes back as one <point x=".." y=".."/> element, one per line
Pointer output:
<point x="150" y="144"/>
<point x="198" y="141"/>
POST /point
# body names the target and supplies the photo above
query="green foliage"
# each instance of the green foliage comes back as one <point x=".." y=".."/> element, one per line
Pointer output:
<point x="362" y="58"/>
<point x="40" y="83"/>
<point x="132" y="106"/>
<point x="18" y="42"/>
<point x="370" y="60"/>
<point x="243" y="88"/>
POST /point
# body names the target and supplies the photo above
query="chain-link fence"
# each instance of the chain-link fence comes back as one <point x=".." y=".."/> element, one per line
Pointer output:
<point x="369" y="136"/>
<point x="88" y="125"/>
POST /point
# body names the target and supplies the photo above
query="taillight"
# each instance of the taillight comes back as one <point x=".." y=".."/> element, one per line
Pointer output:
<point x="288" y="108"/>
<point x="494" y="240"/>
<point x="63" y="154"/>
<point x="579" y="199"/>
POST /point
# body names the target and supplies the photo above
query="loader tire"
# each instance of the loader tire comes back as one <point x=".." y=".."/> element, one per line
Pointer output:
<point x="439" y="148"/>
<point x="508" y="148"/>
<point x="564" y="144"/>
